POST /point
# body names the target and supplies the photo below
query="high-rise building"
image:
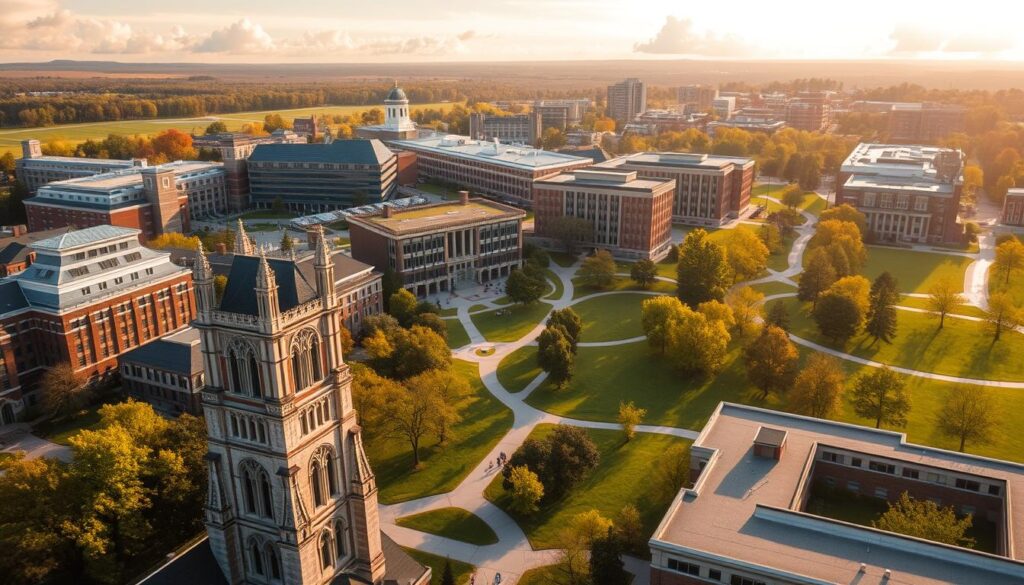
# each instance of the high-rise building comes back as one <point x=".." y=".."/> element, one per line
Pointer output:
<point x="810" y="111"/>
<point x="710" y="189"/>
<point x="515" y="128"/>
<point x="907" y="193"/>
<point x="627" y="100"/>
<point x="724" y="107"/>
<point x="292" y="497"/>
<point x="698" y="98"/>
<point x="35" y="169"/>
<point x="88" y="296"/>
<point x="630" y="217"/>
<point x="561" y="114"/>
<point x="917" y="123"/>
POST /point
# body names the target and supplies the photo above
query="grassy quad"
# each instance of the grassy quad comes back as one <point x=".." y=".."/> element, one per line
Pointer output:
<point x="622" y="283"/>
<point x="484" y="421"/>
<point x="1015" y="287"/>
<point x="922" y="303"/>
<point x="510" y="323"/>
<point x="611" y="317"/>
<point x="457" y="336"/>
<point x="915" y="271"/>
<point x="557" y="288"/>
<point x="519" y="368"/>
<point x="461" y="571"/>
<point x="453" y="523"/>
<point x="921" y="345"/>
<point x="622" y="477"/>
<point x="773" y="288"/>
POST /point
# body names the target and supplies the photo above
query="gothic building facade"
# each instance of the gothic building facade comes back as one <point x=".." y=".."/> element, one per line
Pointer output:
<point x="292" y="497"/>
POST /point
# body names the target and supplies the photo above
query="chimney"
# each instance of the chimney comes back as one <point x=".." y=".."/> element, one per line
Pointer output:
<point x="386" y="211"/>
<point x="463" y="197"/>
<point x="221" y="248"/>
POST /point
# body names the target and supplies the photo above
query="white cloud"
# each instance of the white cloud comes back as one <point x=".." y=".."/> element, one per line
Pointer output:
<point x="913" y="40"/>
<point x="241" y="37"/>
<point x="678" y="37"/>
<point x="418" y="45"/>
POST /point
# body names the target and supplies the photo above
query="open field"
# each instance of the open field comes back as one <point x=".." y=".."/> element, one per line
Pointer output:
<point x="10" y="139"/>
<point x="611" y="317"/>
<point x="622" y="477"/>
<point x="457" y="336"/>
<point x="519" y="368"/>
<point x="442" y="467"/>
<point x="461" y="571"/>
<point x="510" y="323"/>
<point x="622" y="283"/>
<point x="454" y="523"/>
<point x="915" y="271"/>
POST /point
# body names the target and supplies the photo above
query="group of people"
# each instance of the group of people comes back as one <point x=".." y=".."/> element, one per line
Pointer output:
<point x="501" y="461"/>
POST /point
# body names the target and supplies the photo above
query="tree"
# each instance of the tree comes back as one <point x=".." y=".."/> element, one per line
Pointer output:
<point x="968" y="414"/>
<point x="629" y="528"/>
<point x="792" y="196"/>
<point x="173" y="144"/>
<point x="598" y="271"/>
<point x="7" y="163"/>
<point x="944" y="298"/>
<point x="881" y="395"/>
<point x="745" y="253"/>
<point x="716" y="311"/>
<point x="220" y="282"/>
<point x="347" y="343"/>
<point x="816" y="278"/>
<point x="417" y="350"/>
<point x="630" y="415"/>
<point x="771" y="360"/>
<point x="697" y="344"/>
<point x="644" y="273"/>
<point x="400" y="413"/>
<point x="572" y="456"/>
<point x="524" y="288"/>
<point x="1002" y="313"/>
<point x="657" y="316"/>
<point x="838" y="316"/>
<point x="1009" y="259"/>
<point x="842" y="241"/>
<point x="881" y="317"/>
<point x="286" y="243"/>
<point x="447" y="578"/>
<point x="272" y="122"/>
<point x="606" y="566"/>
<point x="575" y="541"/>
<point x="432" y="321"/>
<point x="925" y="519"/>
<point x="552" y="138"/>
<point x="845" y="212"/>
<point x="449" y="388"/>
<point x="818" y="387"/>
<point x="402" y="306"/>
<point x="778" y="315"/>
<point x="671" y="471"/>
<point x="570" y="231"/>
<point x="527" y="490"/>
<point x="391" y="282"/>
<point x="63" y="391"/>
<point x="555" y="355"/>
<point x="746" y="305"/>
<point x="702" y="272"/>
<point x="570" y="322"/>
<point x="771" y="237"/>
<point x="216" y="127"/>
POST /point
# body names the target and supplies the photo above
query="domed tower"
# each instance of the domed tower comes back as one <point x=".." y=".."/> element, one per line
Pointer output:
<point x="396" y="111"/>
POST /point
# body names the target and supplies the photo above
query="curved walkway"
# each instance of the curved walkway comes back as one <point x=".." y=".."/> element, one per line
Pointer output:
<point x="512" y="554"/>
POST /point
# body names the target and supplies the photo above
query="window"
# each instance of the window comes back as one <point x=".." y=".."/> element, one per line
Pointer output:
<point x="882" y="467"/>
<point x="740" y="580"/>
<point x="936" y="478"/>
<point x="882" y="493"/>
<point x="855" y="462"/>
<point x="967" y="510"/>
<point x="831" y="457"/>
<point x="340" y="536"/>
<point x="911" y="473"/>
<point x="967" y="484"/>
<point x="853" y="486"/>
<point x="993" y="490"/>
<point x="684" y="567"/>
<point x="326" y="557"/>
<point x="257" y="558"/>
<point x="273" y="563"/>
<point x="256" y="490"/>
<point x="714" y="575"/>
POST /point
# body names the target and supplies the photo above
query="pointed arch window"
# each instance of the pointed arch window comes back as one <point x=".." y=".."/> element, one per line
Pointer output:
<point x="322" y="478"/>
<point x="257" y="493"/>
<point x="326" y="552"/>
<point x="315" y="481"/>
<point x="340" y="538"/>
<point x="257" y="558"/>
<point x="273" y="563"/>
<point x="307" y="364"/>
<point x="297" y="369"/>
<point x="254" y="376"/>
<point x="236" y="372"/>
<point x="314" y="358"/>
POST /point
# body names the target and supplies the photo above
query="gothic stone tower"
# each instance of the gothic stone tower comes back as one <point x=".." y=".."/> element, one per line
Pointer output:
<point x="292" y="499"/>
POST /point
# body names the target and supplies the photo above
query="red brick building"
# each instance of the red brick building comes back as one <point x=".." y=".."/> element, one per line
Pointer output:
<point x="768" y="492"/>
<point x="631" y="217"/>
<point x="917" y="123"/>
<point x="710" y="189"/>
<point x="89" y="296"/>
<point x="1013" y="208"/>
<point x="907" y="193"/>
<point x="810" y="111"/>
<point x="16" y="253"/>
<point x="435" y="248"/>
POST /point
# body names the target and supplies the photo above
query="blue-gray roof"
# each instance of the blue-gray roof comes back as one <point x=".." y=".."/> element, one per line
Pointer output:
<point x="363" y="152"/>
<point x="85" y="236"/>
<point x="170" y="356"/>
<point x="294" y="286"/>
<point x="396" y="94"/>
<point x="11" y="296"/>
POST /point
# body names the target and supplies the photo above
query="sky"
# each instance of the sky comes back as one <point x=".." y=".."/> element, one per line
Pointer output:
<point x="340" y="31"/>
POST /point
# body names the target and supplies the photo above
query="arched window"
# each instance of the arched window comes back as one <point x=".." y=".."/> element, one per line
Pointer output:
<point x="273" y="563"/>
<point x="297" y="370"/>
<point x="257" y="558"/>
<point x="307" y="366"/>
<point x="332" y="484"/>
<point x="236" y="372"/>
<point x="268" y="504"/>
<point x="322" y="478"/>
<point x="314" y="480"/>
<point x="249" y="491"/>
<point x="340" y="535"/>
<point x="257" y="493"/>
<point x="326" y="554"/>
<point x="314" y="359"/>
<point x="254" y="376"/>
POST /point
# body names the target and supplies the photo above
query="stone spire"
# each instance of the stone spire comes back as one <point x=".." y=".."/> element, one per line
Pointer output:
<point x="323" y="249"/>
<point x="201" y="264"/>
<point x="243" y="245"/>
<point x="265" y="280"/>
<point x="323" y="265"/>
<point x="202" y="276"/>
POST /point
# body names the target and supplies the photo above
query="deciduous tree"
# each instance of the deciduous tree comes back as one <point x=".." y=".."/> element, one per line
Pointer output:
<point x="838" y="316"/>
<point x="644" y="273"/>
<point x="523" y="287"/>
<point x="747" y="310"/>
<point x="944" y="298"/>
<point x="402" y="306"/>
<point x="570" y="323"/>
<point x="818" y="387"/>
<point x="598" y="271"/>
<point x="697" y="344"/>
<point x="778" y="315"/>
<point x="657" y="316"/>
<point x="63" y="390"/>
<point x="1009" y="259"/>
<point x="968" y="414"/>
<point x="1002" y="314"/>
<point x="881" y="317"/>
<point x="771" y="360"/>
<point x="924" y="519"/>
<point x="881" y="395"/>
<point x="745" y="253"/>
<point x="816" y="278"/>
<point x="702" y="273"/>
<point x="630" y="415"/>
<point x="555" y="355"/>
<point x="527" y="490"/>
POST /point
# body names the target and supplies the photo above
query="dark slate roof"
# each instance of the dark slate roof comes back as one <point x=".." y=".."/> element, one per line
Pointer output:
<point x="172" y="356"/>
<point x="597" y="153"/>
<point x="357" y="151"/>
<point x="195" y="567"/>
<point x="400" y="568"/>
<point x="396" y="94"/>
<point x="11" y="296"/>
<point x="16" y="248"/>
<point x="12" y="250"/>
<point x="294" y="286"/>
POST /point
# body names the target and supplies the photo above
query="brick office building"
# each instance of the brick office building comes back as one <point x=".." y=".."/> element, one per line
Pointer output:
<point x="762" y="486"/>
<point x="234" y="149"/>
<point x="154" y="200"/>
<point x="499" y="170"/>
<point x="89" y="296"/>
<point x="517" y="128"/>
<point x="907" y="193"/>
<point x="810" y="111"/>
<point x="631" y="217"/>
<point x="16" y="253"/>
<point x="1013" y="208"/>
<point x="435" y="248"/>
<point x="35" y="169"/>
<point x="917" y="123"/>
<point x="166" y="373"/>
<point x="710" y="189"/>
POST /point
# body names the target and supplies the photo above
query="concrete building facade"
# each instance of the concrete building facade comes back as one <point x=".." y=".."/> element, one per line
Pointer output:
<point x="917" y="123"/>
<point x="234" y="149"/>
<point x="35" y="169"/>
<point x="697" y="98"/>
<point x="436" y="248"/>
<point x="627" y="100"/>
<point x="1013" y="208"/>
<point x="561" y="114"/>
<point x="516" y="128"/>
<point x="631" y="217"/>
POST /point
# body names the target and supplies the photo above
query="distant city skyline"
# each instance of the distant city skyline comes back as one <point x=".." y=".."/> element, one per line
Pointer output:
<point x="261" y="31"/>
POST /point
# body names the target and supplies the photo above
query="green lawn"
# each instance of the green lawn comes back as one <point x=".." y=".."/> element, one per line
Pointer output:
<point x="454" y="523"/>
<point x="621" y="283"/>
<point x="622" y="477"/>
<point x="502" y="301"/>
<point x="915" y="271"/>
<point x="546" y="575"/>
<point x="10" y="138"/>
<point x="773" y="288"/>
<point x="962" y="348"/>
<point x="779" y="262"/>
<point x="510" y="323"/>
<point x="448" y="193"/>
<point x="461" y="571"/>
<point x="562" y="259"/>
<point x="519" y="368"/>
<point x="557" y="288"/>
<point x="611" y="317"/>
<point x="457" y="336"/>
<point x="449" y="312"/>
<point x="1015" y="287"/>
<point x="922" y="303"/>
<point x="477" y="307"/>
<point x="484" y="421"/>
<point x="60" y="431"/>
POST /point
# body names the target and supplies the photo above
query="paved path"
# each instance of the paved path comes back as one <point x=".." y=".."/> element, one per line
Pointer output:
<point x="18" y="437"/>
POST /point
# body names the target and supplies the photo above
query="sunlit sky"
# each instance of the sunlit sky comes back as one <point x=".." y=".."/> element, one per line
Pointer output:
<point x="330" y="31"/>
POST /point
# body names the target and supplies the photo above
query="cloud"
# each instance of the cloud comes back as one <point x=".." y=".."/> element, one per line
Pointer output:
<point x="240" y="37"/>
<point x="467" y="35"/>
<point x="678" y="37"/>
<point x="911" y="40"/>
<point x="966" y="43"/>
<point x="327" y="40"/>
<point x="418" y="45"/>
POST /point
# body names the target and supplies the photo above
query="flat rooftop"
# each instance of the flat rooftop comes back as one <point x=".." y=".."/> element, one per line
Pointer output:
<point x="925" y="169"/>
<point x="516" y="156"/>
<point x="616" y="179"/>
<point x="112" y="162"/>
<point x="439" y="215"/>
<point x="745" y="508"/>
<point x="132" y="177"/>
<point x="679" y="160"/>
